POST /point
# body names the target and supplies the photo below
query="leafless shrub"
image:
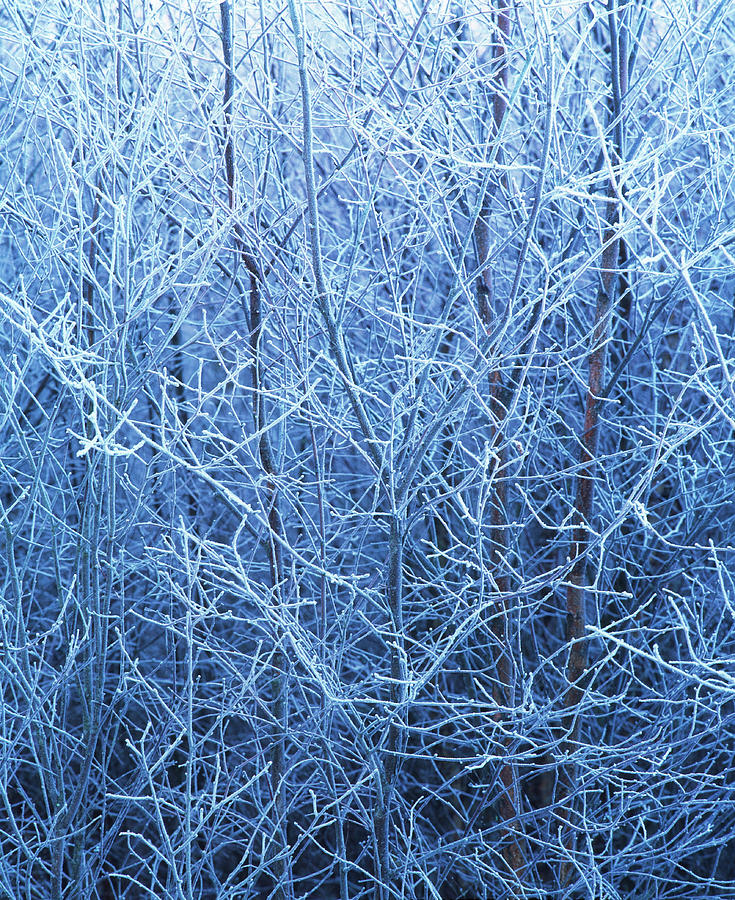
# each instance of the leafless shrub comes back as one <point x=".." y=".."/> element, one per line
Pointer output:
<point x="367" y="419"/>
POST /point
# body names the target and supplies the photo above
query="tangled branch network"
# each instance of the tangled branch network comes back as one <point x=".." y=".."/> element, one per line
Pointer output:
<point x="367" y="414"/>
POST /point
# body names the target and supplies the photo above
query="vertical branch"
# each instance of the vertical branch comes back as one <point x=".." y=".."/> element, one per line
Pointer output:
<point x="510" y="800"/>
<point x="336" y="344"/>
<point x="394" y="590"/>
<point x="51" y="783"/>
<point x="499" y="531"/>
<point x="338" y="350"/>
<point x="279" y="698"/>
<point x="487" y="312"/>
<point x="585" y="491"/>
<point x="85" y="473"/>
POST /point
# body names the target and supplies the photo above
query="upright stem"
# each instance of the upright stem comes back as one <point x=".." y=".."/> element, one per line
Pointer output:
<point x="336" y="346"/>
<point x="334" y="337"/>
<point x="585" y="492"/>
<point x="279" y="698"/>
<point x="510" y="800"/>
<point x="397" y="693"/>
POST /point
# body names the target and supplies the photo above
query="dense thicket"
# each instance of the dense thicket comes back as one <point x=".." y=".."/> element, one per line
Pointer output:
<point x="366" y="468"/>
